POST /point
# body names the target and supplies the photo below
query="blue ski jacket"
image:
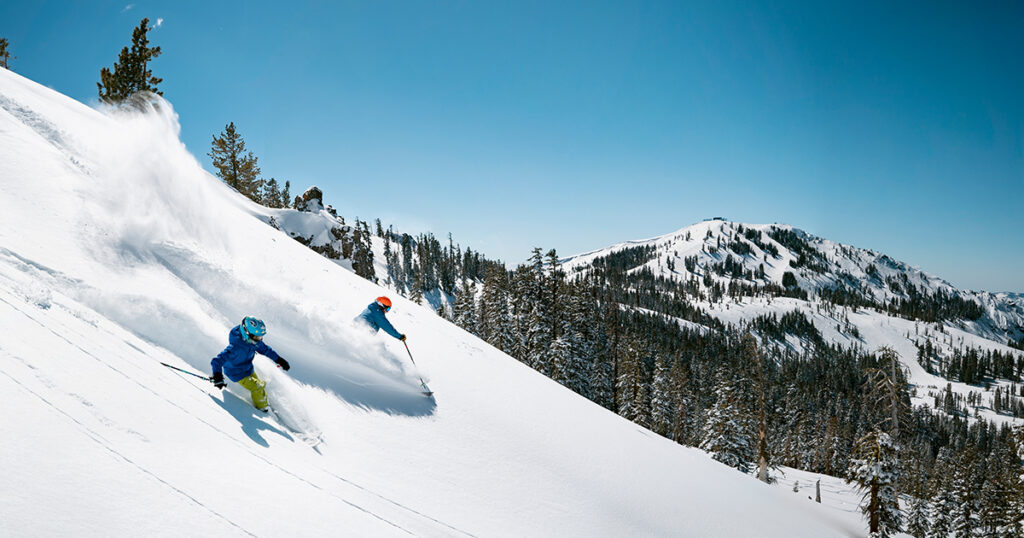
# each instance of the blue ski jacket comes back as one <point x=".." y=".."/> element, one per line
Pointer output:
<point x="236" y="359"/>
<point x="374" y="317"/>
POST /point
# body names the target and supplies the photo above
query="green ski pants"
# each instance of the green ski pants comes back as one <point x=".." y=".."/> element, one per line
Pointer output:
<point x="257" y="388"/>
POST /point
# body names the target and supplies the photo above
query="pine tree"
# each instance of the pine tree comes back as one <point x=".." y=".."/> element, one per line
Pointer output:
<point x="271" y="196"/>
<point x="889" y="386"/>
<point x="234" y="165"/>
<point x="572" y="352"/>
<point x="416" y="289"/>
<point x="464" y="308"/>
<point x="751" y="357"/>
<point x="602" y="382"/>
<point x="536" y="310"/>
<point x="996" y="516"/>
<point x="5" y="54"/>
<point x="875" y="470"/>
<point x="964" y="494"/>
<point x="628" y="386"/>
<point x="678" y="385"/>
<point x="918" y="525"/>
<point x="495" y="320"/>
<point x="1016" y="526"/>
<point x="662" y="412"/>
<point x="943" y="503"/>
<point x="131" y="74"/>
<point x="362" y="254"/>
<point x="917" y="518"/>
<point x="286" y="195"/>
<point x="727" y="430"/>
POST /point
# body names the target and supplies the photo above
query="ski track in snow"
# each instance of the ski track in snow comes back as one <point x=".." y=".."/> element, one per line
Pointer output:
<point x="107" y="445"/>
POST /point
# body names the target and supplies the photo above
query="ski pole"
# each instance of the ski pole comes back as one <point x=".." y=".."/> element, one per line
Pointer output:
<point x="409" y="352"/>
<point x="204" y="378"/>
<point x="422" y="383"/>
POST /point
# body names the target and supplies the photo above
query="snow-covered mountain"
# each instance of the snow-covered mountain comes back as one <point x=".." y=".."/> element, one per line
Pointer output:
<point x="736" y="272"/>
<point x="724" y="252"/>
<point x="118" y="252"/>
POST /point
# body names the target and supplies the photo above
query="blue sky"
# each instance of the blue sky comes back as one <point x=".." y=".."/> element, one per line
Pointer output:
<point x="574" y="126"/>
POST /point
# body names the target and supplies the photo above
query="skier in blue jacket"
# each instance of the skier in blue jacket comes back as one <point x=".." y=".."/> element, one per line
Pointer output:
<point x="374" y="318"/>
<point x="244" y="341"/>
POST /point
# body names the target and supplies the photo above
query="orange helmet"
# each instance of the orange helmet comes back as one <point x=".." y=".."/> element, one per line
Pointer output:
<point x="384" y="303"/>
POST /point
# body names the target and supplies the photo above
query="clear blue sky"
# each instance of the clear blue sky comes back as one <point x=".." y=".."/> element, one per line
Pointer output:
<point x="574" y="126"/>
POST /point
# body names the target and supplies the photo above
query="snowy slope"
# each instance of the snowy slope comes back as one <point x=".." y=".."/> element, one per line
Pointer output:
<point x="118" y="252"/>
<point x="870" y="272"/>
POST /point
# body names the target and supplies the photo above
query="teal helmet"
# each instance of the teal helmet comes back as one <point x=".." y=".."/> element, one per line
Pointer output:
<point x="252" y="328"/>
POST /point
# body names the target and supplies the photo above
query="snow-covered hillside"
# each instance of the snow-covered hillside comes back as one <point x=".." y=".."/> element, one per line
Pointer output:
<point x="764" y="253"/>
<point x="716" y="254"/>
<point x="118" y="252"/>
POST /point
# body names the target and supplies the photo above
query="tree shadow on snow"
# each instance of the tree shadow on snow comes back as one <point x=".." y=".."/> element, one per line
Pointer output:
<point x="251" y="420"/>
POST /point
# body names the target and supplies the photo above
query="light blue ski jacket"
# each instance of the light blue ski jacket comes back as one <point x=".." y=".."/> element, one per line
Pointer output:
<point x="374" y="317"/>
<point x="236" y="359"/>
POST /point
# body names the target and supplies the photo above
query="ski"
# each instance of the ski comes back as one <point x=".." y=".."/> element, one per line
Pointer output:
<point x="308" y="438"/>
<point x="426" y="389"/>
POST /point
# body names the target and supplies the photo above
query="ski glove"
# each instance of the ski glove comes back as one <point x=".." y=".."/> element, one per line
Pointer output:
<point x="218" y="380"/>
<point x="402" y="338"/>
<point x="283" y="363"/>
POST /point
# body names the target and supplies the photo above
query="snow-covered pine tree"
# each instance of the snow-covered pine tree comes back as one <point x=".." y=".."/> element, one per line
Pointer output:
<point x="391" y="264"/>
<point x="602" y="382"/>
<point x="520" y="298"/>
<point x="964" y="492"/>
<point x="582" y="323"/>
<point x="890" y="389"/>
<point x="570" y="352"/>
<point x="831" y="447"/>
<point x="538" y="316"/>
<point x="942" y="503"/>
<point x="464" y="307"/>
<point x="661" y="398"/>
<point x="416" y="287"/>
<point x="875" y="470"/>
<point x="678" y="386"/>
<point x="917" y="517"/>
<point x="727" y="432"/>
<point x="406" y="272"/>
<point x="1016" y="529"/>
<point x="495" y="318"/>
<point x="996" y="516"/>
<point x="628" y="391"/>
<point x="791" y="447"/>
<point x="918" y="525"/>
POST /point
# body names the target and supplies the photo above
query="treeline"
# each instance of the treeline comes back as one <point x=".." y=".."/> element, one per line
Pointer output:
<point x="421" y="264"/>
<point x="937" y="306"/>
<point x="972" y="365"/>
